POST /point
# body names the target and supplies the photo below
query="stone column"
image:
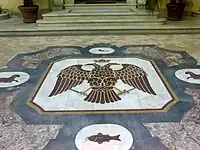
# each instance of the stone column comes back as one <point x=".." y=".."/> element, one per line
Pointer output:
<point x="58" y="2"/>
<point x="69" y="1"/>
<point x="50" y="4"/>
<point x="131" y="2"/>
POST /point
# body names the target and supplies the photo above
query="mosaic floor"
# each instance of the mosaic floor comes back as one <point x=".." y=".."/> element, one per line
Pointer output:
<point x="100" y="96"/>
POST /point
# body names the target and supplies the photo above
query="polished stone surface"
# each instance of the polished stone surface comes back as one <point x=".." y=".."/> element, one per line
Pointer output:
<point x="16" y="134"/>
<point x="72" y="100"/>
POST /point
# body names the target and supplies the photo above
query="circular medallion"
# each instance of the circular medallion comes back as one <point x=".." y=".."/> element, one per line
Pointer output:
<point x="189" y="75"/>
<point x="104" y="137"/>
<point x="10" y="79"/>
<point x="102" y="50"/>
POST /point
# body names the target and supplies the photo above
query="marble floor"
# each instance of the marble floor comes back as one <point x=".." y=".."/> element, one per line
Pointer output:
<point x="18" y="132"/>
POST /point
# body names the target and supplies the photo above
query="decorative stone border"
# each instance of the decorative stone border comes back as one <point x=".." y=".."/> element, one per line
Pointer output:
<point x="4" y="15"/>
<point x="35" y="64"/>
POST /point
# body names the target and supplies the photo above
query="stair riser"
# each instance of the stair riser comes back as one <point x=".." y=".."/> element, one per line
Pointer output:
<point x="137" y="31"/>
<point x="103" y="31"/>
<point x="100" y="7"/>
<point x="96" y="17"/>
<point x="99" y="24"/>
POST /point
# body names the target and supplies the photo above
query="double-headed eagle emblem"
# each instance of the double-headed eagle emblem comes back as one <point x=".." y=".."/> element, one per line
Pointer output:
<point x="102" y="81"/>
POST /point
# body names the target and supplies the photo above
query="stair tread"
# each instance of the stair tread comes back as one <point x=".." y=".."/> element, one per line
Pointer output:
<point x="101" y="10"/>
<point x="88" y="5"/>
<point x="100" y="20"/>
<point x="128" y="27"/>
<point x="96" y="14"/>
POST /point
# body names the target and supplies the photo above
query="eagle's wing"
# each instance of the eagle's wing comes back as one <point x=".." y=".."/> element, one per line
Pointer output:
<point x="68" y="78"/>
<point x="134" y="76"/>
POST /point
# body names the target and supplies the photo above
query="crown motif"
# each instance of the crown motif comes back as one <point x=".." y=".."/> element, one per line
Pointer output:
<point x="101" y="61"/>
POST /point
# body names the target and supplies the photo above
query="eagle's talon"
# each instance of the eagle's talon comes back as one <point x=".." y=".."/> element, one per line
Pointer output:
<point x="83" y="93"/>
<point x="123" y="92"/>
<point x="80" y="92"/>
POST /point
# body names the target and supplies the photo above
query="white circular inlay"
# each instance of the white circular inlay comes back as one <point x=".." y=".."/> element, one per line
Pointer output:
<point x="189" y="75"/>
<point x="102" y="50"/>
<point x="9" y="79"/>
<point x="125" y="141"/>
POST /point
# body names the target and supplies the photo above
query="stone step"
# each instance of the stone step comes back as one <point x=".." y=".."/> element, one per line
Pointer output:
<point x="99" y="16"/>
<point x="32" y="30"/>
<point x="105" y="22"/>
<point x="95" y="6"/>
<point x="103" y="14"/>
<point x="157" y="29"/>
<point x="101" y="10"/>
<point x="196" y="14"/>
<point x="81" y="17"/>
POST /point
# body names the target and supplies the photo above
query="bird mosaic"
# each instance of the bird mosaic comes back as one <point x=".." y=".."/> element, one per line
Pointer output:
<point x="192" y="75"/>
<point x="10" y="79"/>
<point x="102" y="80"/>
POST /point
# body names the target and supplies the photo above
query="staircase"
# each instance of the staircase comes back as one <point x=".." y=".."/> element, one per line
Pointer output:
<point x="99" y="17"/>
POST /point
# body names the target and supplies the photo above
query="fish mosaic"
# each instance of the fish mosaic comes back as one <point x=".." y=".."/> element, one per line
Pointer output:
<point x="101" y="138"/>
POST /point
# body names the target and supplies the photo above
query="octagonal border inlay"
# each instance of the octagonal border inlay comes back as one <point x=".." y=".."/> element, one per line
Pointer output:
<point x="165" y="108"/>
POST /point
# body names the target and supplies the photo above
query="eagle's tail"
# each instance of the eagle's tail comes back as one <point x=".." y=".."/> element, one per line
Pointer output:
<point x="99" y="96"/>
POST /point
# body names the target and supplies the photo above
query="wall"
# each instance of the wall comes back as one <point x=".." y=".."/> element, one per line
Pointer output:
<point x="10" y="4"/>
<point x="13" y="4"/>
<point x="196" y="5"/>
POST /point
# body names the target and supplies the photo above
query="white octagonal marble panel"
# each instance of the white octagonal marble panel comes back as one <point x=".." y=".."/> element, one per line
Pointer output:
<point x="134" y="100"/>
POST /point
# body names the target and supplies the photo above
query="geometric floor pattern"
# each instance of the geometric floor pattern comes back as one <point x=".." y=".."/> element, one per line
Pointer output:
<point x="103" y="94"/>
